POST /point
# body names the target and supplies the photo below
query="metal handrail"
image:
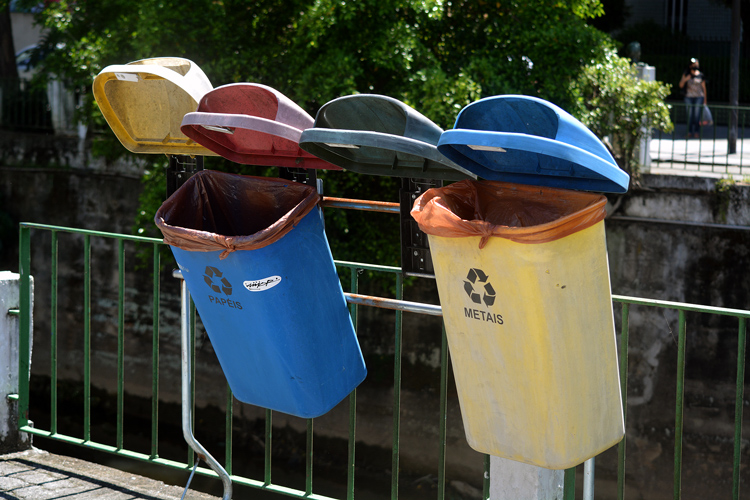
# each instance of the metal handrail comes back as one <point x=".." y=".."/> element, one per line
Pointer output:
<point x="355" y="299"/>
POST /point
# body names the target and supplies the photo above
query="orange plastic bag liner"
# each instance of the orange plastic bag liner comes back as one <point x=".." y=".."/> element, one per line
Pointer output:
<point x="518" y="212"/>
<point x="219" y="211"/>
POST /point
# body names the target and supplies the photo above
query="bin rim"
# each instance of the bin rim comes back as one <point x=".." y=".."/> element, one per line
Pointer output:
<point x="198" y="240"/>
<point x="194" y="83"/>
<point x="434" y="215"/>
<point x="329" y="142"/>
<point x="288" y="123"/>
<point x="587" y="163"/>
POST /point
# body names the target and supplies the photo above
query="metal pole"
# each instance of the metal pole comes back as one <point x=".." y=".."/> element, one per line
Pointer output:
<point x="588" y="479"/>
<point x="734" y="76"/>
<point x="187" y="407"/>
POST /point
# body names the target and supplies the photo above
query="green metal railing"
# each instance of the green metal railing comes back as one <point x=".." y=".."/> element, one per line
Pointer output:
<point x="356" y="301"/>
<point x="682" y="309"/>
<point x="710" y="152"/>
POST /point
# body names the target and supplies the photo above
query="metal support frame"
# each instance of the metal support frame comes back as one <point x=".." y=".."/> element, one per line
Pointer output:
<point x="187" y="383"/>
<point x="180" y="169"/>
<point x="588" y="478"/>
<point x="305" y="176"/>
<point x="416" y="259"/>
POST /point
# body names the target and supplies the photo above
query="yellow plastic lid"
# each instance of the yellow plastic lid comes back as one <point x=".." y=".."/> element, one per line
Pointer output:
<point x="145" y="101"/>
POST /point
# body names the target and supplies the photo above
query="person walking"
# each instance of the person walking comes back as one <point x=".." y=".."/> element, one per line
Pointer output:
<point x="694" y="83"/>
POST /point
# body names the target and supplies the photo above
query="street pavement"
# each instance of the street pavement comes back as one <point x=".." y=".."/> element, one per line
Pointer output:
<point x="38" y="475"/>
<point x="709" y="156"/>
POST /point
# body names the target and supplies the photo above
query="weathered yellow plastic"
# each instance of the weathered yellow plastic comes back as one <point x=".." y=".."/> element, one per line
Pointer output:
<point x="536" y="370"/>
<point x="145" y="101"/>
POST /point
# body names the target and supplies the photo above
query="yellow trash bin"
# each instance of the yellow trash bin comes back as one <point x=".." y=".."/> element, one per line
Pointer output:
<point x="523" y="279"/>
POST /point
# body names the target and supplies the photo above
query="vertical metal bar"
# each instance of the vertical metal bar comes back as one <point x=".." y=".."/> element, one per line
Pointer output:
<point x="726" y="168"/>
<point x="352" y="405"/>
<point x="155" y="356"/>
<point x="444" y="367"/>
<point x="53" y="335"/>
<point x="269" y="435"/>
<point x="120" y="341"/>
<point x="569" y="484"/>
<point x="397" y="390"/>
<point x="738" y="401"/>
<point x="187" y="316"/>
<point x="191" y="383"/>
<point x="24" y="323"/>
<point x="588" y="478"/>
<point x="713" y="148"/>
<point x="624" y="340"/>
<point x="352" y="436"/>
<point x="354" y="288"/>
<point x="87" y="338"/>
<point x="486" y="478"/>
<point x="674" y="119"/>
<point x="658" y="147"/>
<point x="309" y="458"/>
<point x="742" y="142"/>
<point x="680" y="405"/>
<point x="229" y="423"/>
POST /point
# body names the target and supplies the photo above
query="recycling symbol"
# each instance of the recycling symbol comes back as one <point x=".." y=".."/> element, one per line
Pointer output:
<point x="213" y="273"/>
<point x="478" y="288"/>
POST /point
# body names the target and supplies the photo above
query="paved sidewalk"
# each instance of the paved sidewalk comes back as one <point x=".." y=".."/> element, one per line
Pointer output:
<point x="38" y="475"/>
<point x="706" y="157"/>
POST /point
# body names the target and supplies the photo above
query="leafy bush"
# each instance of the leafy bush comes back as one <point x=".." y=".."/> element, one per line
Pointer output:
<point x="619" y="107"/>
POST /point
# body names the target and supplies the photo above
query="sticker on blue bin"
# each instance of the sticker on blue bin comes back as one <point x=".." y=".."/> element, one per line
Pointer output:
<point x="262" y="285"/>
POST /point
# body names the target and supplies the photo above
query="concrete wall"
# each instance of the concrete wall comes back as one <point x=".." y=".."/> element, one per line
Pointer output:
<point x="25" y="32"/>
<point x="11" y="439"/>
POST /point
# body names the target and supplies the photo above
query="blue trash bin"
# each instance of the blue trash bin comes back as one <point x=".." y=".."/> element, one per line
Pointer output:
<point x="254" y="255"/>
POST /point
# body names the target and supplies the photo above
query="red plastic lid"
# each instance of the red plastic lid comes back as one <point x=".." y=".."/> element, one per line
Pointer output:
<point x="252" y="124"/>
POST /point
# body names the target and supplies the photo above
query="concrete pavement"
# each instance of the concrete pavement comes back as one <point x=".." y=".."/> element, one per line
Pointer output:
<point x="38" y="475"/>
<point x="673" y="154"/>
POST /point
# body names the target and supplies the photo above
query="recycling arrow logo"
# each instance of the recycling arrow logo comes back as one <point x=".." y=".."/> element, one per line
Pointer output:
<point x="478" y="287"/>
<point x="220" y="284"/>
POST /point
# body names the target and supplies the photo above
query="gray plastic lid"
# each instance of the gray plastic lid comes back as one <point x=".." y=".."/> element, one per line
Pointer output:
<point x="379" y="135"/>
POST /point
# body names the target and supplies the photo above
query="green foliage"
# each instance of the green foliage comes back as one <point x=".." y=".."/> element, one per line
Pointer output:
<point x="722" y="196"/>
<point x="435" y="55"/>
<point x="615" y="104"/>
<point x="533" y="47"/>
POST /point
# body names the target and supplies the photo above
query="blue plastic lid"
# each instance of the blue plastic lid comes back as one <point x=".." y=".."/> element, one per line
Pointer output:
<point x="527" y="140"/>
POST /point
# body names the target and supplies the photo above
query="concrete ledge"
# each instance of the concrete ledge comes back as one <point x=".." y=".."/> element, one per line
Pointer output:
<point x="35" y="474"/>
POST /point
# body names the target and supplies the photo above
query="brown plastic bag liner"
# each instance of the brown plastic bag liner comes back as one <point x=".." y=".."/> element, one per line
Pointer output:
<point x="521" y="213"/>
<point x="219" y="211"/>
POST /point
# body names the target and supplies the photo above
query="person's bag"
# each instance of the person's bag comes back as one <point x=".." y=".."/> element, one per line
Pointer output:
<point x="706" y="118"/>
